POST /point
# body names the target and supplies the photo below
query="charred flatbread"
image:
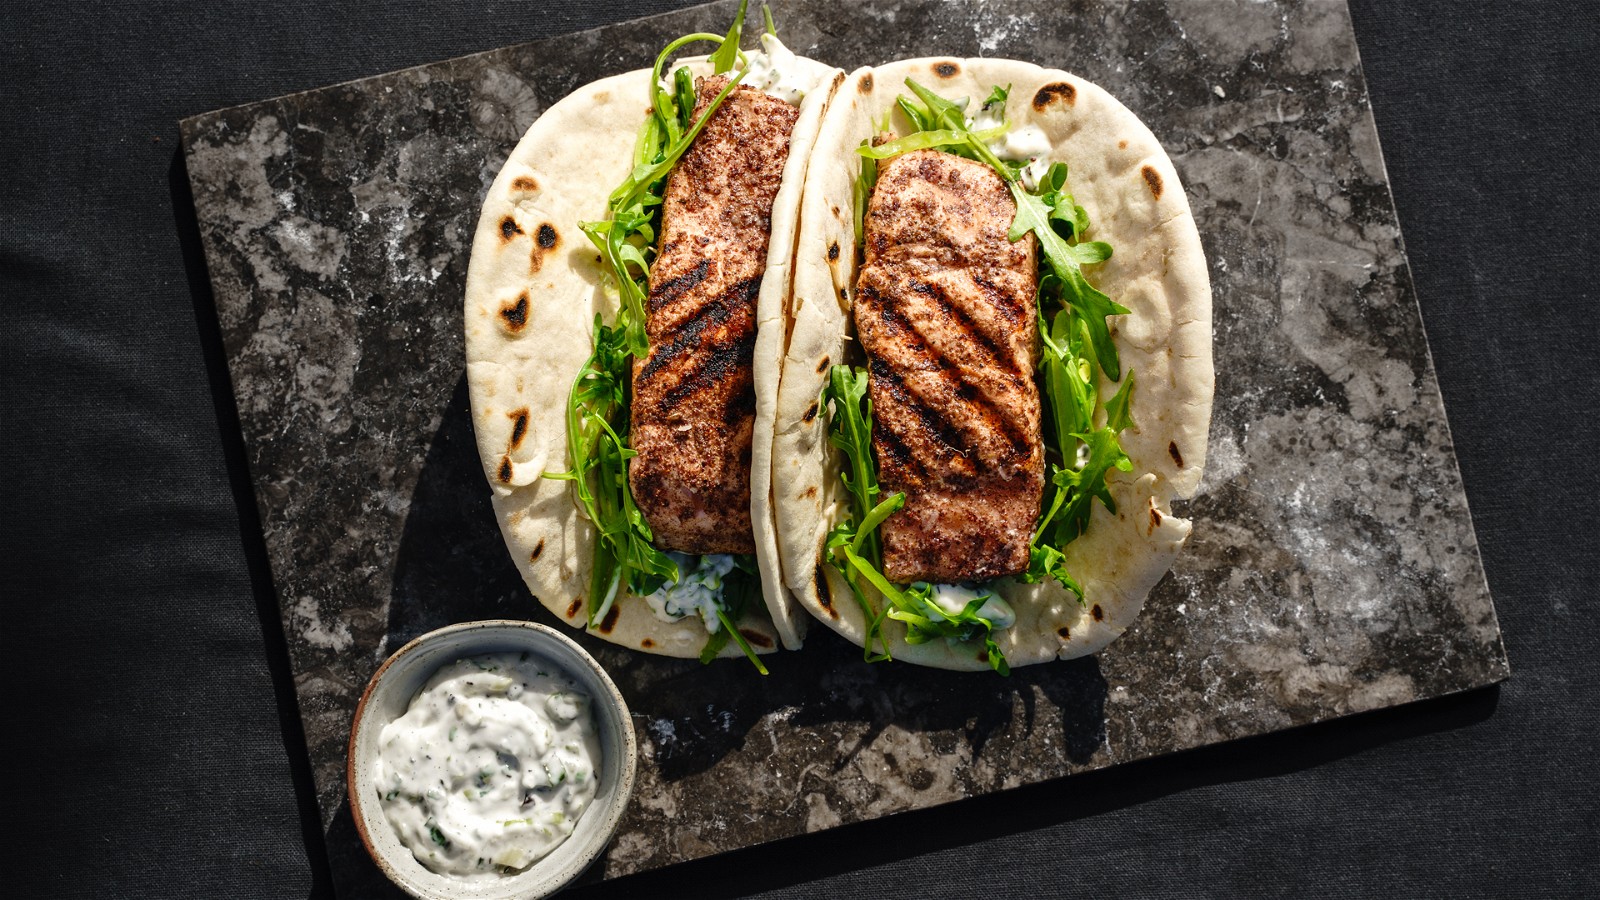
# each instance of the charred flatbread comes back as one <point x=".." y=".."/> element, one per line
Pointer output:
<point x="1122" y="177"/>
<point x="535" y="287"/>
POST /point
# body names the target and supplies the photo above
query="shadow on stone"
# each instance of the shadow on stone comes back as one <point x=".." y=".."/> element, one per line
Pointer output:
<point x="452" y="565"/>
<point x="979" y="706"/>
<point x="1057" y="802"/>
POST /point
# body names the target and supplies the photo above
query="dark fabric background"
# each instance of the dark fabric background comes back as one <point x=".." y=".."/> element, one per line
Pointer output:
<point x="149" y="716"/>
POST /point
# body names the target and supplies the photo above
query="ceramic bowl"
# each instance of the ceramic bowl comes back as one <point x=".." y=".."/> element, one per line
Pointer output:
<point x="390" y="692"/>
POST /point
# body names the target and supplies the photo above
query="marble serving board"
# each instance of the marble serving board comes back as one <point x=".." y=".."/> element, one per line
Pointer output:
<point x="1333" y="567"/>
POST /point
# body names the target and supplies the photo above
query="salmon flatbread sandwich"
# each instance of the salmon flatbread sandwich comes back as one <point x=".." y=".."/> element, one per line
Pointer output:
<point x="998" y="374"/>
<point x="629" y="269"/>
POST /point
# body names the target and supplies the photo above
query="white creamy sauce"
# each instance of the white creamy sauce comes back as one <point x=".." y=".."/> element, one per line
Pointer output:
<point x="697" y="590"/>
<point x="490" y="767"/>
<point x="774" y="69"/>
<point x="1026" y="143"/>
<point x="953" y="598"/>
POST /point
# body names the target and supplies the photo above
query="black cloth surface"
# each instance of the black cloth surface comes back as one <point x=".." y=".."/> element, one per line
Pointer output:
<point x="152" y="722"/>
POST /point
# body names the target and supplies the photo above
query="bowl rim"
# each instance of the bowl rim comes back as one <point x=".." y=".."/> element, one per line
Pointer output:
<point x="627" y="765"/>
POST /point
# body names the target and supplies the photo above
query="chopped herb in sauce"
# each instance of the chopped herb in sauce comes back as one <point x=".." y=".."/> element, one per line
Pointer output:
<point x="518" y="771"/>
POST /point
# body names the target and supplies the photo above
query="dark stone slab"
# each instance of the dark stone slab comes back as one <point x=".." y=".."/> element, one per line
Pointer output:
<point x="1333" y="567"/>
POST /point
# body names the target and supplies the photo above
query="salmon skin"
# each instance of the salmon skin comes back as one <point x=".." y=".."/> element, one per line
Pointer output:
<point x="694" y="402"/>
<point x="945" y="309"/>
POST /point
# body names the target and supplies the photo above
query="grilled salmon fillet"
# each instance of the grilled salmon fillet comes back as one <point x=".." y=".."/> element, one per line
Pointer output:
<point x="693" y="394"/>
<point x="945" y="309"/>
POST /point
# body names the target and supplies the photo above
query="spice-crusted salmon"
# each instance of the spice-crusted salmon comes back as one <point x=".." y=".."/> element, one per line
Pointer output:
<point x="693" y="395"/>
<point x="945" y="310"/>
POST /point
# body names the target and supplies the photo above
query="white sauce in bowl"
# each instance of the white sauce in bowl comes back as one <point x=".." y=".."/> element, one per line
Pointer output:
<point x="490" y="767"/>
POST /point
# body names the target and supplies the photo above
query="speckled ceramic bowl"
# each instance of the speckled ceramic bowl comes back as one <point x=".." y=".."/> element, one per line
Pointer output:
<point x="389" y="694"/>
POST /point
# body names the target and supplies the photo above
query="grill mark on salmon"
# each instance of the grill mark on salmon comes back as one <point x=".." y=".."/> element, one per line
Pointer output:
<point x="945" y="310"/>
<point x="693" y="408"/>
<point x="673" y="288"/>
<point x="663" y="357"/>
<point x="722" y="361"/>
<point x="893" y="453"/>
<point x="691" y="334"/>
<point x="1003" y="301"/>
<point x="932" y="420"/>
<point x="967" y="327"/>
<point x="980" y="398"/>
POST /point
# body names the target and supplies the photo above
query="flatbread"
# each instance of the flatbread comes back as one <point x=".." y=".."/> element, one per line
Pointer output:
<point x="1120" y="174"/>
<point x="534" y="284"/>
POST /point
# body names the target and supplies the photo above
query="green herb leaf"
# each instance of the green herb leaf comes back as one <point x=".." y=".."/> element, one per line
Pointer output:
<point x="944" y="114"/>
<point x="1033" y="215"/>
<point x="1090" y="253"/>
<point x="861" y="195"/>
<point x="683" y="87"/>
<point x="727" y="56"/>
<point x="850" y="430"/>
<point x="927" y="140"/>
<point x="766" y="15"/>
<point x="926" y="620"/>
<point x="1075" y="489"/>
<point x="1119" y="412"/>
<point x="437" y="835"/>
<point x="920" y="118"/>
<point x="1067" y="378"/>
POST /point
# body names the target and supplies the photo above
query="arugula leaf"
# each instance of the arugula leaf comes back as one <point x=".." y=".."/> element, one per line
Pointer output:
<point x="850" y="430"/>
<point x="1045" y="561"/>
<point x="919" y="116"/>
<point x="727" y="56"/>
<point x="1067" y="378"/>
<point x="683" y="87"/>
<point x="766" y="15"/>
<point x="1119" y="412"/>
<point x="997" y="97"/>
<point x="924" y="140"/>
<point x="926" y="620"/>
<point x="861" y="194"/>
<point x="1035" y="216"/>
<point x="666" y="110"/>
<point x="944" y="114"/>
<point x="1075" y="489"/>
